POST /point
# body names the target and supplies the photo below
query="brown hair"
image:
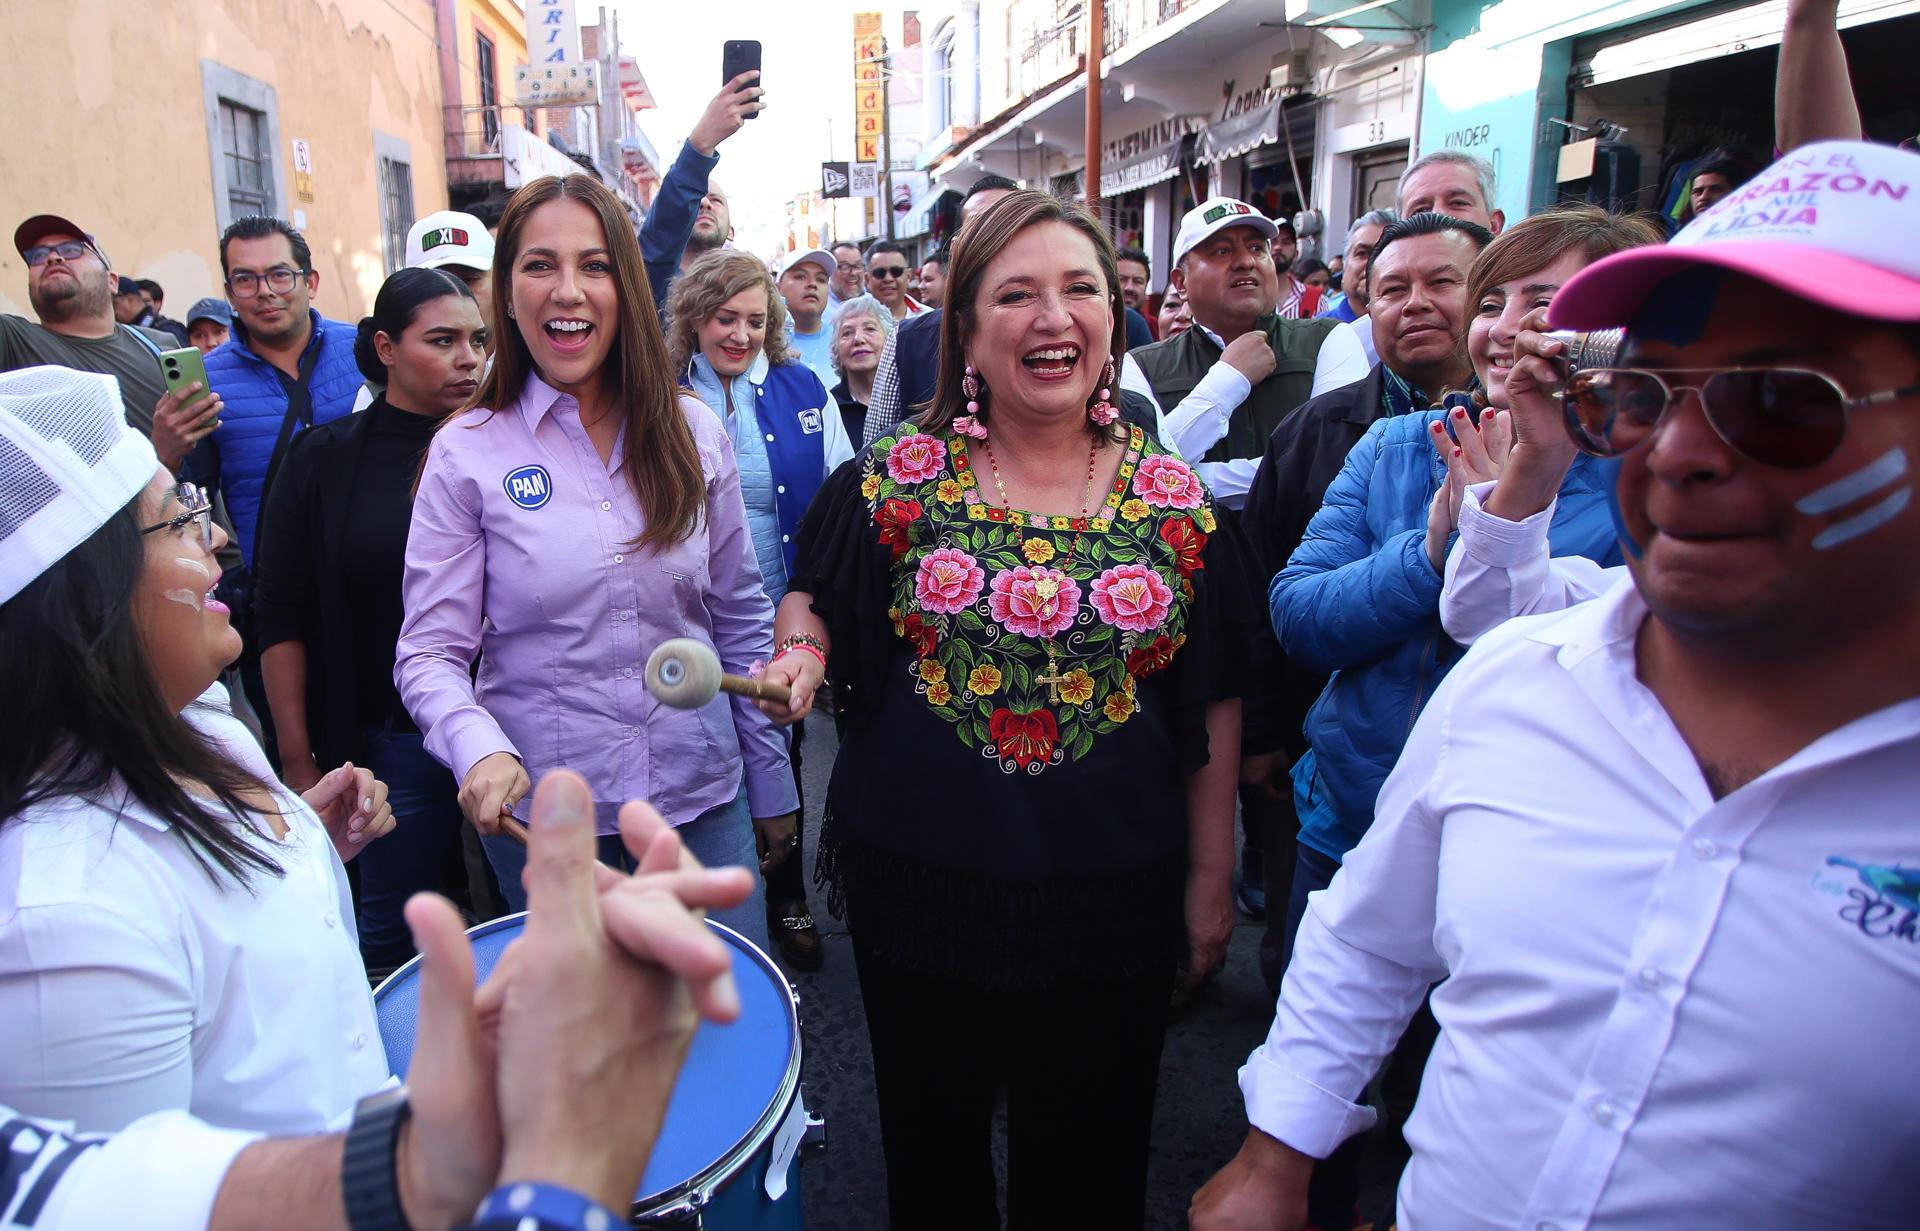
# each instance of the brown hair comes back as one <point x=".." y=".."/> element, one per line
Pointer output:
<point x="984" y="238"/>
<point x="661" y="463"/>
<point x="698" y="293"/>
<point x="1538" y="241"/>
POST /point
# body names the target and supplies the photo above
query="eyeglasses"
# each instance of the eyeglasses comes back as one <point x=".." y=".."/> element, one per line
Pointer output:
<point x="887" y="271"/>
<point x="1785" y="417"/>
<point x="71" y="250"/>
<point x="246" y="284"/>
<point x="847" y="267"/>
<point x="199" y="508"/>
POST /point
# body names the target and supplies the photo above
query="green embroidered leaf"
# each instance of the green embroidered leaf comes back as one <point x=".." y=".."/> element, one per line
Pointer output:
<point x="1083" y="745"/>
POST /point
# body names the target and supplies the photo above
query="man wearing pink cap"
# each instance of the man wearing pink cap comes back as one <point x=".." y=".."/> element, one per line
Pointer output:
<point x="1660" y="846"/>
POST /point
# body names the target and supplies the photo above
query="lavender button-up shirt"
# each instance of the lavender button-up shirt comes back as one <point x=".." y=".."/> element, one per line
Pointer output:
<point x="519" y="553"/>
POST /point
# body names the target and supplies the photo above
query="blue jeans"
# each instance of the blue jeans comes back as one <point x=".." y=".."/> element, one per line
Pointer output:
<point x="718" y="836"/>
<point x="421" y="853"/>
<point x="1312" y="872"/>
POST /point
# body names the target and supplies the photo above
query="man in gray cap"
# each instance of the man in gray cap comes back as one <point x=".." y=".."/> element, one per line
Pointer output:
<point x="209" y="323"/>
<point x="71" y="285"/>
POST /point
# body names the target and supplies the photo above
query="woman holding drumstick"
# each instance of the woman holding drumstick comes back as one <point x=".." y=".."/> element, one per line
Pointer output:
<point x="1035" y="784"/>
<point x="584" y="512"/>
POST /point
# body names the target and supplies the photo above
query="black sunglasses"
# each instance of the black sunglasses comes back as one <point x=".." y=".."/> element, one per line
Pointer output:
<point x="1786" y="417"/>
<point x="887" y="271"/>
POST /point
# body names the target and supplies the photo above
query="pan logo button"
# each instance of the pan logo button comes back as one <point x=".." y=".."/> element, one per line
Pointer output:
<point x="529" y="486"/>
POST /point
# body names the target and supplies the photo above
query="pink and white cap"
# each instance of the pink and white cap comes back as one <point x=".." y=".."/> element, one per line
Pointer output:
<point x="1832" y="223"/>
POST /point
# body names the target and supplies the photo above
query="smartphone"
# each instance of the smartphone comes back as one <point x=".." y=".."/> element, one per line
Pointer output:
<point x="182" y="368"/>
<point x="741" y="55"/>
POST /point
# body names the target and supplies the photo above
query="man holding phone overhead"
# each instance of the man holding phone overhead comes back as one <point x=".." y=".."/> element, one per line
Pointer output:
<point x="70" y="284"/>
<point x="689" y="216"/>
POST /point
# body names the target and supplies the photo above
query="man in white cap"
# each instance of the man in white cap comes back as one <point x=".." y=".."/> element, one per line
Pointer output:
<point x="1660" y="846"/>
<point x="458" y="243"/>
<point x="803" y="285"/>
<point x="1224" y="384"/>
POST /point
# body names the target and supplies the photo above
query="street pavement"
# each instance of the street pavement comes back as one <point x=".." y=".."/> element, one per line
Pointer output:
<point x="1198" y="1120"/>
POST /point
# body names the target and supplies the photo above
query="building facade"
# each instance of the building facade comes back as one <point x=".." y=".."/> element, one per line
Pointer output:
<point x="157" y="124"/>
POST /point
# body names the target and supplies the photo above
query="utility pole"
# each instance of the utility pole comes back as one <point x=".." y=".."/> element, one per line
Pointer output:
<point x="1096" y="56"/>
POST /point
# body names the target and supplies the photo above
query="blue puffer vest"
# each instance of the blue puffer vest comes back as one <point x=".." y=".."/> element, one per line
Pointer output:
<point x="1359" y="599"/>
<point x="239" y="449"/>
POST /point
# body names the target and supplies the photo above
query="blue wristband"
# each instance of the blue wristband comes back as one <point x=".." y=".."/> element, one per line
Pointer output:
<point x="548" y="1205"/>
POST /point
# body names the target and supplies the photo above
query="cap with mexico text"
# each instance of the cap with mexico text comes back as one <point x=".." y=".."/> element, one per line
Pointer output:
<point x="1217" y="214"/>
<point x="1831" y="223"/>
<point x="449" y="237"/>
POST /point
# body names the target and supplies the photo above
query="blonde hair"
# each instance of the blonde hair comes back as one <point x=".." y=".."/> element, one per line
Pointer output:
<point x="698" y="293"/>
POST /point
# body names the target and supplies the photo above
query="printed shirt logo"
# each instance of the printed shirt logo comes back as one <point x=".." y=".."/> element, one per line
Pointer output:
<point x="1881" y="900"/>
<point x="529" y="486"/>
<point x="444" y="236"/>
<point x="810" y="422"/>
<point x="1222" y="211"/>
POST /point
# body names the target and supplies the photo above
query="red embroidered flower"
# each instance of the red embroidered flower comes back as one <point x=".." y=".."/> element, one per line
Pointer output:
<point x="1025" y="738"/>
<point x="895" y="519"/>
<point x="1156" y="656"/>
<point x="1187" y="542"/>
<point x="922" y="636"/>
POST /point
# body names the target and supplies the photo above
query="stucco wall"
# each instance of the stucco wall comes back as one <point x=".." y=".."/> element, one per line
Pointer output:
<point x="107" y="124"/>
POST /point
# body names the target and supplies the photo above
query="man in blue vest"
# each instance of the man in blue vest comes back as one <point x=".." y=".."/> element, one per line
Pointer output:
<point x="285" y="369"/>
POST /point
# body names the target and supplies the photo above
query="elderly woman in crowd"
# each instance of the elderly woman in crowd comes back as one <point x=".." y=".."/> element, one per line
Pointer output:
<point x="727" y="340"/>
<point x="860" y="334"/>
<point x="1019" y="601"/>
<point x="583" y="512"/>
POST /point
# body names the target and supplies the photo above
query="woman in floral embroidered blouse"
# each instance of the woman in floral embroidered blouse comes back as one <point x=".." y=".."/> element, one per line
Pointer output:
<point x="1030" y="820"/>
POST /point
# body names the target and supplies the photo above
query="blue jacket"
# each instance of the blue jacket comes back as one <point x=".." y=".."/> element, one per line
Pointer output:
<point x="669" y="224"/>
<point x="916" y="357"/>
<point x="234" y="458"/>
<point x="793" y="441"/>
<point x="1359" y="599"/>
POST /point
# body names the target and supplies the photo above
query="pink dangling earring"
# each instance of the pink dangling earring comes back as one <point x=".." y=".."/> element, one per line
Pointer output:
<point x="969" y="424"/>
<point x="1102" y="411"/>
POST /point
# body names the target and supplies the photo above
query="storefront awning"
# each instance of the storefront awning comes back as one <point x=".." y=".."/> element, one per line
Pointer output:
<point x="1251" y="129"/>
<point x="1147" y="167"/>
<point x="918" y="219"/>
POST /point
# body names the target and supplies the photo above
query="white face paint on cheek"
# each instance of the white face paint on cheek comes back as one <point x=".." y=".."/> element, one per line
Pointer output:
<point x="1876" y="476"/>
<point x="196" y="599"/>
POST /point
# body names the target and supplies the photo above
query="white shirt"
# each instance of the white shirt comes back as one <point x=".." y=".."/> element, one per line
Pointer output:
<point x="1345" y="356"/>
<point x="1200" y="420"/>
<point x="131" y="983"/>
<point x="1660" y="1010"/>
<point x="160" y="1173"/>
<point x="1498" y="569"/>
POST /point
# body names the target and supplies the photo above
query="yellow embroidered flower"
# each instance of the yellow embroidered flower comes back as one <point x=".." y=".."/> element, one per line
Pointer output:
<point x="1135" y="509"/>
<point x="948" y="491"/>
<point x="899" y="624"/>
<point x="1119" y="707"/>
<point x="1077" y="687"/>
<point x="983" y="681"/>
<point x="939" y="694"/>
<point x="870" y="486"/>
<point x="931" y="671"/>
<point x="1206" y="518"/>
<point x="1037" y="551"/>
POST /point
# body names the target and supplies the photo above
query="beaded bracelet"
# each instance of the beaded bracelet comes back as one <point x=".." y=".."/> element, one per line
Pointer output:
<point x="802" y="641"/>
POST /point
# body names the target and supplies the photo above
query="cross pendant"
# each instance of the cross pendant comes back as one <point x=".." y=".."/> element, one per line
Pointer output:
<point x="1052" y="679"/>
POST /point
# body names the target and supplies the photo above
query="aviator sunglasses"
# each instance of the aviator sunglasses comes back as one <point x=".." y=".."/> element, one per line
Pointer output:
<point x="1785" y="417"/>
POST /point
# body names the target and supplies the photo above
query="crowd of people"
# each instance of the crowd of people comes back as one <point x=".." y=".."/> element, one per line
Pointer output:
<point x="1536" y="596"/>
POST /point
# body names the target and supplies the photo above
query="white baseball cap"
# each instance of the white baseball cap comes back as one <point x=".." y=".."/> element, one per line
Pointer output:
<point x="69" y="461"/>
<point x="1832" y="223"/>
<point x="819" y="256"/>
<point x="449" y="237"/>
<point x="1217" y="214"/>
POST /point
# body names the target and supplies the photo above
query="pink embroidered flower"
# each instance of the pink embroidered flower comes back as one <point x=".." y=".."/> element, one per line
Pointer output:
<point x="916" y="458"/>
<point x="1035" y="602"/>
<point x="1132" y="596"/>
<point x="948" y="581"/>
<point x="1165" y="483"/>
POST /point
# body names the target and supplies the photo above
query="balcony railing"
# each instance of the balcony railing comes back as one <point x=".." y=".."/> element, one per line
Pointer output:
<point x="1127" y="20"/>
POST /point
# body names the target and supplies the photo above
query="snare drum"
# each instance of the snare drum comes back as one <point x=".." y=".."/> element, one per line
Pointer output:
<point x="734" y="1123"/>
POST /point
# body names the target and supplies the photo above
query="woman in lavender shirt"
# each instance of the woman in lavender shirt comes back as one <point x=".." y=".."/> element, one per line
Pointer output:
<point x="583" y="512"/>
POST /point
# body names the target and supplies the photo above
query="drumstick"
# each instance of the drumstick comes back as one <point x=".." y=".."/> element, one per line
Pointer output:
<point x="513" y="829"/>
<point x="686" y="674"/>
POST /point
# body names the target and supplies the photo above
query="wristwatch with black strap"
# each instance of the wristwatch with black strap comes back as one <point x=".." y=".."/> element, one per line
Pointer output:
<point x="369" y="1175"/>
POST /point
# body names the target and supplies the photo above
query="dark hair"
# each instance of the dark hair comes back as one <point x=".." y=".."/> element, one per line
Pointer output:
<point x="152" y="288"/>
<point x="1135" y="255"/>
<point x="989" y="183"/>
<point x="1427" y="223"/>
<point x="1307" y="266"/>
<point x="395" y="308"/>
<point x="838" y="244"/>
<point x="941" y="256"/>
<point x="881" y="246"/>
<point x="661" y="464"/>
<point x="259" y="226"/>
<point x="85" y="718"/>
<point x="987" y="236"/>
<point x="1734" y="166"/>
